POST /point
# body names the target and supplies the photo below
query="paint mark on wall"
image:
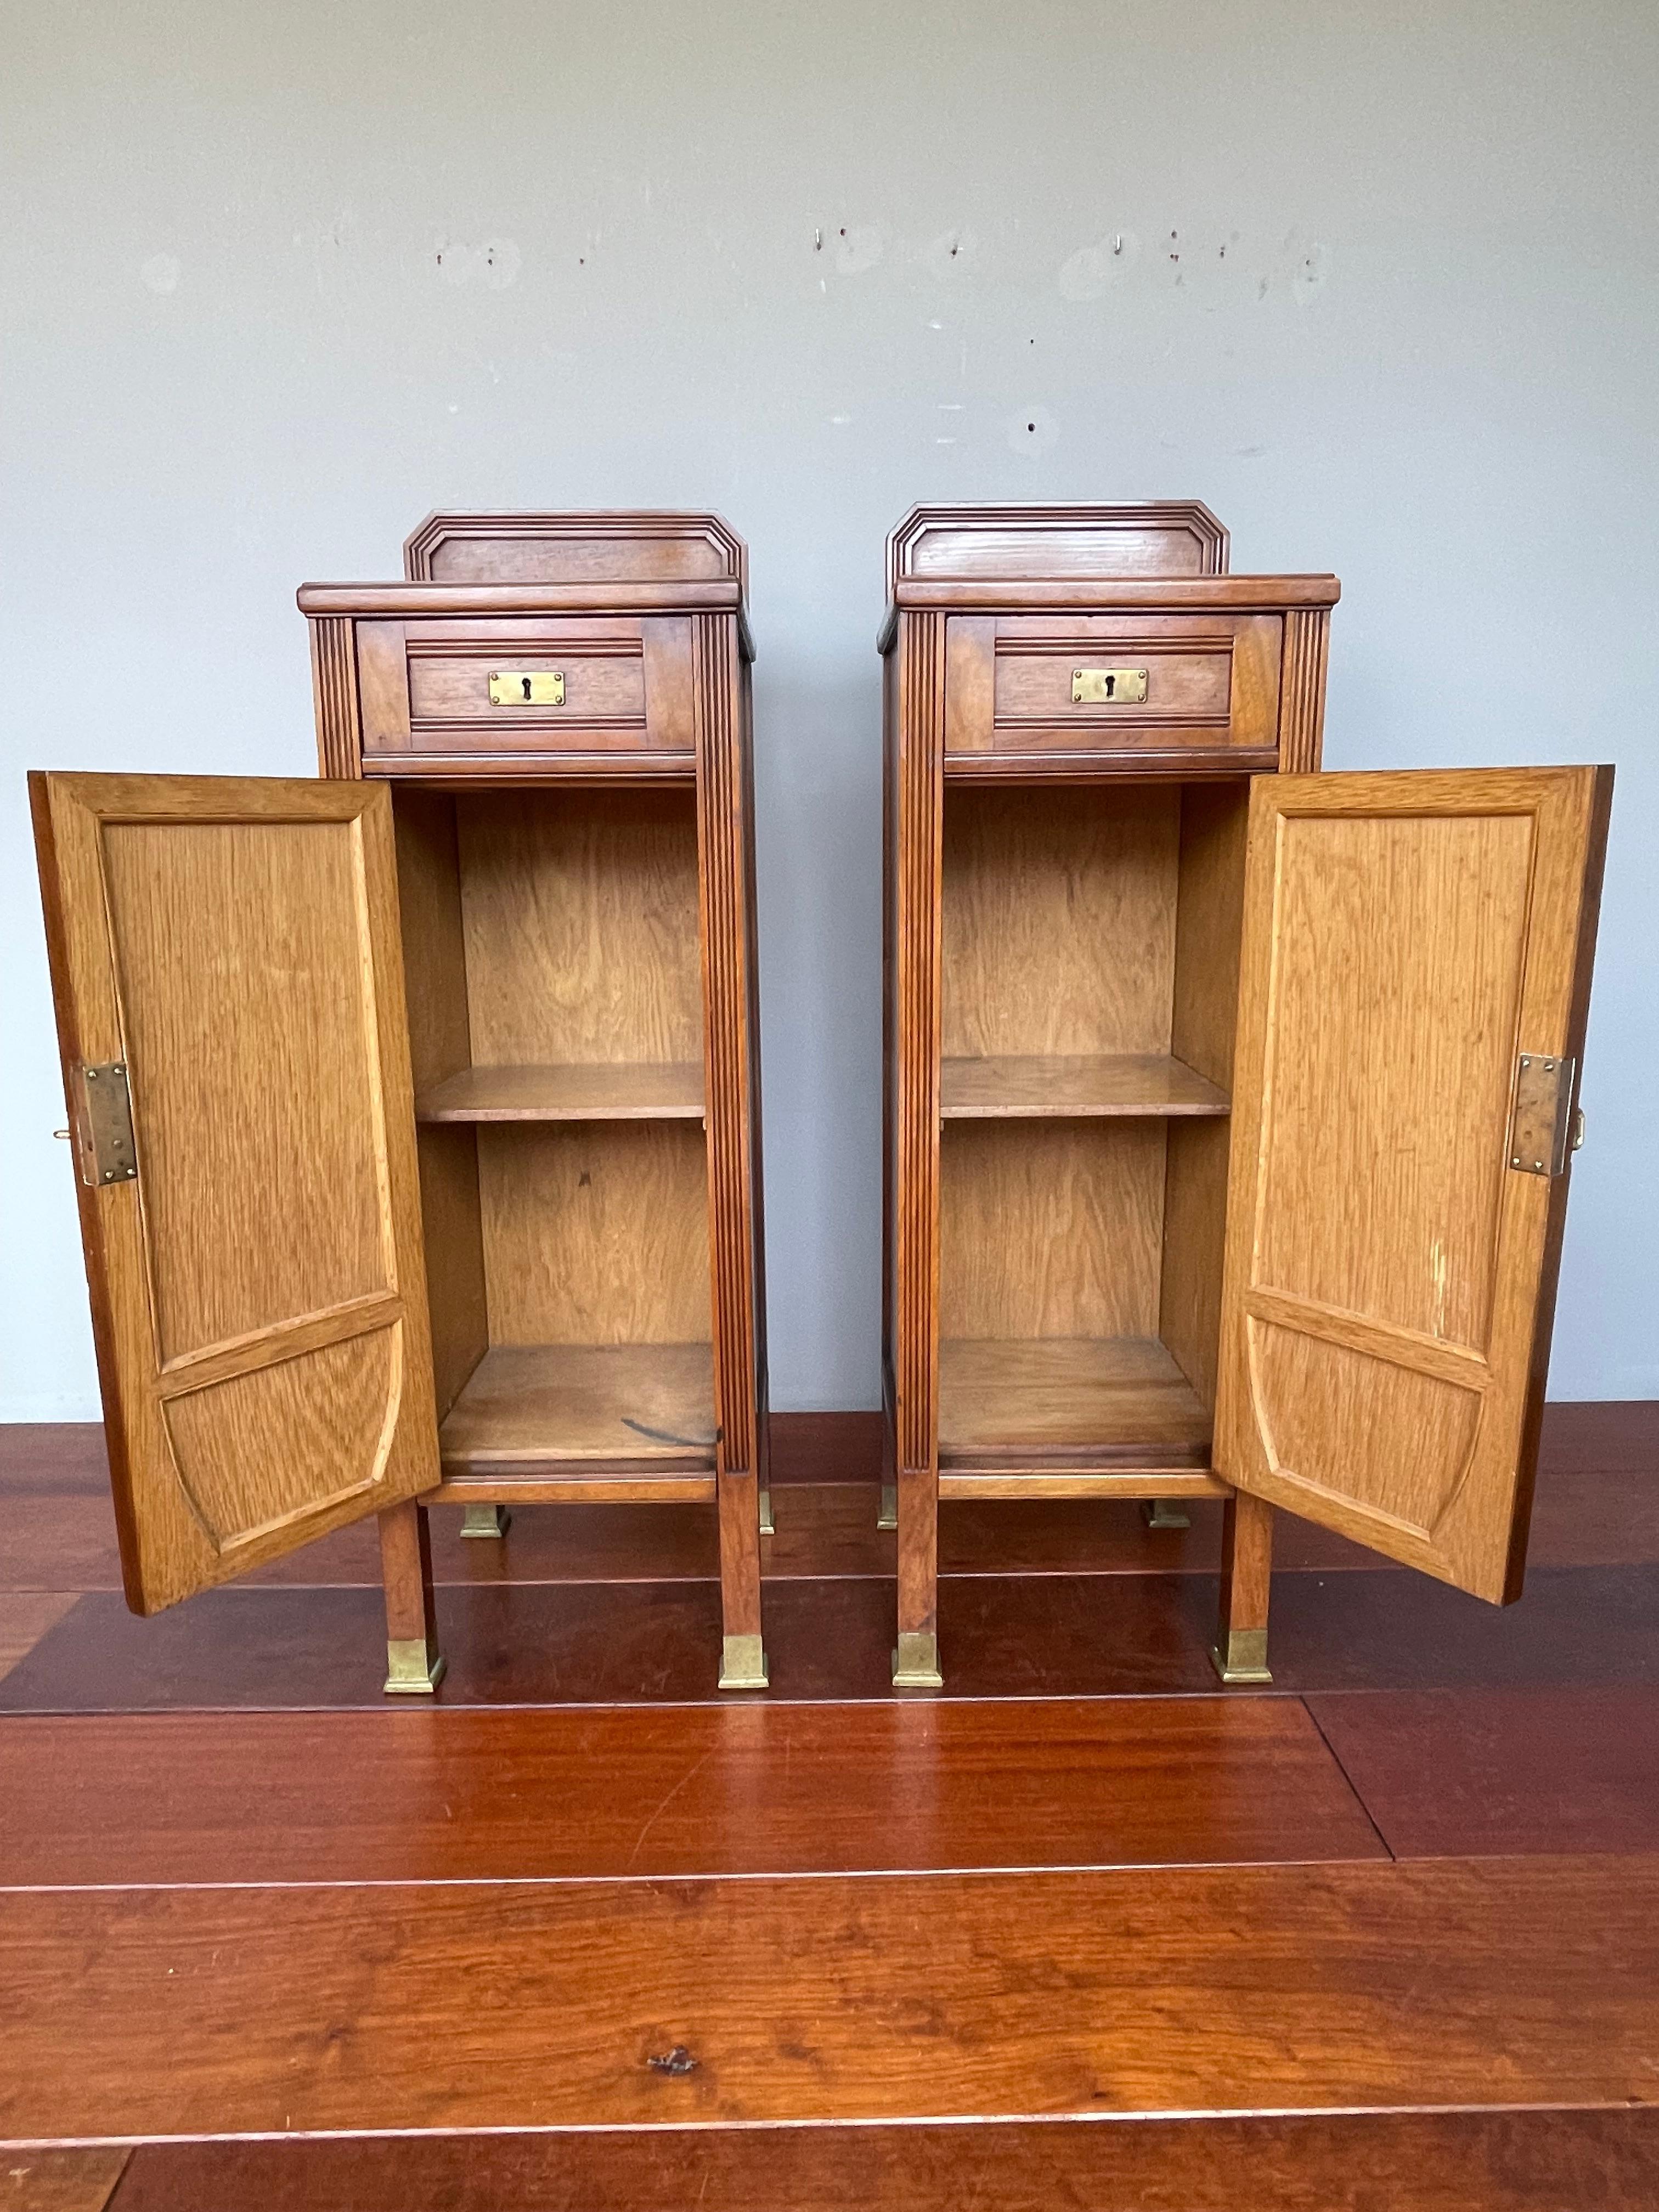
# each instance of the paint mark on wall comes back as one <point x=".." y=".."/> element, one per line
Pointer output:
<point x="1033" y="431"/>
<point x="1309" y="271"/>
<point x="499" y="261"/>
<point x="161" y="272"/>
<point x="495" y="262"/>
<point x="1094" y="270"/>
<point x="859" y="246"/>
<point x="952" y="253"/>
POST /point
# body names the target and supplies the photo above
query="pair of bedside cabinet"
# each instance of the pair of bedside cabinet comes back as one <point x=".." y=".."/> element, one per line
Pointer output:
<point x="1228" y="1105"/>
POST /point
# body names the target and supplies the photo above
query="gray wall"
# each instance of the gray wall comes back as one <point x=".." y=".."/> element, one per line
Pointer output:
<point x="1378" y="283"/>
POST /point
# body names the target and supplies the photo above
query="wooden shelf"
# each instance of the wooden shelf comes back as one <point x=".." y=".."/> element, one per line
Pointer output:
<point x="1054" y="1406"/>
<point x="600" y="1091"/>
<point x="1072" y="1086"/>
<point x="553" y="1416"/>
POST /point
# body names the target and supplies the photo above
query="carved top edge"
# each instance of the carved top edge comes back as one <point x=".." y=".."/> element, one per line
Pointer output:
<point x="639" y="545"/>
<point x="1081" y="539"/>
<point x="1111" y="595"/>
<point x="407" y="602"/>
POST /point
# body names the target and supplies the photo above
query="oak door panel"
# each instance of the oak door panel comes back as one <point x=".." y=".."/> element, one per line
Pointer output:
<point x="259" y="1294"/>
<point x="1390" y="1272"/>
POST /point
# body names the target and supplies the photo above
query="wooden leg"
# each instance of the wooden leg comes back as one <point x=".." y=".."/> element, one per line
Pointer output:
<point x="887" y="1511"/>
<point x="915" y="1663"/>
<point x="743" y="1653"/>
<point x="1246" y="1561"/>
<point x="415" y="1666"/>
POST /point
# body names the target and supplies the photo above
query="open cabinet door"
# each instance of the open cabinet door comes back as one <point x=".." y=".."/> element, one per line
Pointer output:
<point x="228" y="980"/>
<point x="1412" y="1002"/>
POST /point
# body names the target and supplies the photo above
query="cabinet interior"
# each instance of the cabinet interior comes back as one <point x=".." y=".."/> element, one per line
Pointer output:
<point x="1091" y="948"/>
<point x="551" y="959"/>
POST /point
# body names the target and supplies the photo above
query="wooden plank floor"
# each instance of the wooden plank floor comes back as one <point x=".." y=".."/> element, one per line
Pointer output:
<point x="1393" y="1918"/>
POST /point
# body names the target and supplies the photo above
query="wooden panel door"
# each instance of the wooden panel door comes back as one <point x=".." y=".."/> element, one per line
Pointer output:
<point x="1416" y="972"/>
<point x="227" y="950"/>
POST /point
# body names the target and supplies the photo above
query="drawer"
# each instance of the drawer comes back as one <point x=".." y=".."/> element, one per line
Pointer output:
<point x="499" y="688"/>
<point x="1099" y="684"/>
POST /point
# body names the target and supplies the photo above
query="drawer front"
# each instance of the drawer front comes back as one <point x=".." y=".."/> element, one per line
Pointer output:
<point x="474" y="692"/>
<point x="1101" y="684"/>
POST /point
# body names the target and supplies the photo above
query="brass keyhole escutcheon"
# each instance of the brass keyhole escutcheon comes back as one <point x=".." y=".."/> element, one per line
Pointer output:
<point x="526" y="687"/>
<point x="1108" y="687"/>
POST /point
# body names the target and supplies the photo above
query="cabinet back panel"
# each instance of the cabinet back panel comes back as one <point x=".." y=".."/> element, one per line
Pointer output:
<point x="596" y="1233"/>
<point x="1050" y="1229"/>
<point x="434" y="983"/>
<point x="580" y="916"/>
<point x="1059" y="919"/>
<point x="1209" y="926"/>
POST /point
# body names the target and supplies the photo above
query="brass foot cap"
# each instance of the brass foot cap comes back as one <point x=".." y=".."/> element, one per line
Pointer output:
<point x="767" y="1526"/>
<point x="1244" y="1659"/>
<point x="486" y="1520"/>
<point x="742" y="1663"/>
<point x="915" y="1663"/>
<point x="412" y="1671"/>
<point x="1165" y="1513"/>
<point x="888" y="1517"/>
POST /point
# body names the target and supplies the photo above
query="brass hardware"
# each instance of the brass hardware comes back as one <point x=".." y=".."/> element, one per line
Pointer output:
<point x="526" y="687"/>
<point x="486" y="1520"/>
<point x="768" y="1527"/>
<point x="1578" y="1144"/>
<point x="915" y="1663"/>
<point x="412" y="1669"/>
<point x="1539" y="1126"/>
<point x="888" y="1517"/>
<point x="1245" y="1657"/>
<point x="742" y="1663"/>
<point x="103" y="1123"/>
<point x="1165" y="1513"/>
<point x="63" y="1134"/>
<point x="1108" y="687"/>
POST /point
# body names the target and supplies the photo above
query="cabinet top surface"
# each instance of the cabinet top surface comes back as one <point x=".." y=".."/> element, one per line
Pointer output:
<point x="1193" y="595"/>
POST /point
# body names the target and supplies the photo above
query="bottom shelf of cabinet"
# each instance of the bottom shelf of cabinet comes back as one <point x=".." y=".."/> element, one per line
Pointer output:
<point x="1076" y="1417"/>
<point x="555" y="1422"/>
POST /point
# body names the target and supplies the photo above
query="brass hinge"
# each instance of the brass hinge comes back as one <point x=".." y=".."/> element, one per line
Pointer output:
<point x="103" y="1123"/>
<point x="1540" y="1125"/>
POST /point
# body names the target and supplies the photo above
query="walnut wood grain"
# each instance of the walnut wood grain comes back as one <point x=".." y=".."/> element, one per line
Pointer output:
<point x="60" y="2179"/>
<point x="731" y="1005"/>
<point x="644" y="1791"/>
<point x="1533" y="2161"/>
<point x="915" y="828"/>
<point x="1503" y="1771"/>
<point x="1074" y="890"/>
<point x="932" y="1995"/>
<point x="608" y="547"/>
<point x="1172" y="537"/>
<point x="1078" y="1624"/>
